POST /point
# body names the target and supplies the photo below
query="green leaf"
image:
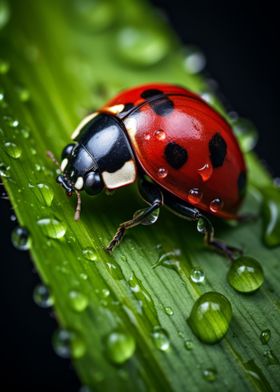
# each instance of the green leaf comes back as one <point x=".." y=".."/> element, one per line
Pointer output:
<point x="123" y="317"/>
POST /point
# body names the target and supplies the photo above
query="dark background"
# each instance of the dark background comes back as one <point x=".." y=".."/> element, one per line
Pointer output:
<point x="240" y="44"/>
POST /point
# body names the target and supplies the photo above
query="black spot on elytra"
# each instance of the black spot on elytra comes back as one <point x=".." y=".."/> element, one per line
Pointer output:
<point x="151" y="93"/>
<point x="218" y="150"/>
<point x="175" y="155"/>
<point x="162" y="106"/>
<point x="242" y="183"/>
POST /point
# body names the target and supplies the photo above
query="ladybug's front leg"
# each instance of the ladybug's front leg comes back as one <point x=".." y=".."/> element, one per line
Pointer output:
<point x="154" y="197"/>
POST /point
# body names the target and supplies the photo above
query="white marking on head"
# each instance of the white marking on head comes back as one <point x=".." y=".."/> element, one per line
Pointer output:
<point x="124" y="176"/>
<point x="63" y="165"/>
<point x="79" y="183"/>
<point x="131" y="126"/>
<point x="82" y="124"/>
<point x="116" y="109"/>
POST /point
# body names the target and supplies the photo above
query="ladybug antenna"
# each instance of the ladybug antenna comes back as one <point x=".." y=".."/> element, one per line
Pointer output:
<point x="78" y="207"/>
<point x="52" y="158"/>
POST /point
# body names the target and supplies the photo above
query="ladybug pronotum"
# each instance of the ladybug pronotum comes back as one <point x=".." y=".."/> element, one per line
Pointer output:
<point x="183" y="153"/>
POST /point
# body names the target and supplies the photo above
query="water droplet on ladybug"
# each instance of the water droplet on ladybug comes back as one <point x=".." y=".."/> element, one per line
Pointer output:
<point x="216" y="205"/>
<point x="195" y="195"/>
<point x="162" y="172"/>
<point x="147" y="136"/>
<point x="160" y="134"/>
<point x="205" y="171"/>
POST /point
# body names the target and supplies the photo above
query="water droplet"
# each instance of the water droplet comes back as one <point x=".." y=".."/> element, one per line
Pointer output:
<point x="168" y="310"/>
<point x="4" y="67"/>
<point x="197" y="275"/>
<point x="205" y="171"/>
<point x="83" y="276"/>
<point x="271" y="217"/>
<point x="161" y="338"/>
<point x="42" y="296"/>
<point x="89" y="254"/>
<point x="270" y="357"/>
<point x="209" y="374"/>
<point x="25" y="132"/>
<point x="210" y="317"/>
<point x="96" y="15"/>
<point x="115" y="271"/>
<point x="78" y="300"/>
<point x="141" y="46"/>
<point x="21" y="238"/>
<point x="170" y="260"/>
<point x="147" y="136"/>
<point x="13" y="218"/>
<point x="13" y="150"/>
<point x="194" y="196"/>
<point x="120" y="346"/>
<point x="216" y="205"/>
<point x="150" y="219"/>
<point x="11" y="122"/>
<point x="188" y="344"/>
<point x="160" y="134"/>
<point x="246" y="133"/>
<point x="265" y="336"/>
<point x="23" y="93"/>
<point x="44" y="193"/>
<point x="52" y="228"/>
<point x="245" y="274"/>
<point x="162" y="172"/>
<point x="68" y="344"/>
<point x="194" y="61"/>
<point x="141" y="294"/>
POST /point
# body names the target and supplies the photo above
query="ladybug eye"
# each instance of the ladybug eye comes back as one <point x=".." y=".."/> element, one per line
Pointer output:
<point x="93" y="183"/>
<point x="67" y="150"/>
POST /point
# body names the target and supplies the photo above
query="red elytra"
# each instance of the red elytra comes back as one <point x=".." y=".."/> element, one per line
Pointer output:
<point x="185" y="146"/>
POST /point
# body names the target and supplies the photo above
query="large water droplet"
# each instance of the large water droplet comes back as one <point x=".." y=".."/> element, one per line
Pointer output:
<point x="142" y="46"/>
<point x="42" y="296"/>
<point x="161" y="338"/>
<point x="4" y="67"/>
<point x="210" y="317"/>
<point x="89" y="254"/>
<point x="245" y="274"/>
<point x="197" y="275"/>
<point x="78" y="300"/>
<point x="209" y="374"/>
<point x="246" y="133"/>
<point x="44" y="193"/>
<point x="4" y="13"/>
<point x="21" y="238"/>
<point x="96" y="15"/>
<point x="13" y="150"/>
<point x="265" y="336"/>
<point x="150" y="219"/>
<point x="194" y="61"/>
<point x="120" y="346"/>
<point x="68" y="344"/>
<point x="194" y="196"/>
<point x="52" y="228"/>
<point x="205" y="171"/>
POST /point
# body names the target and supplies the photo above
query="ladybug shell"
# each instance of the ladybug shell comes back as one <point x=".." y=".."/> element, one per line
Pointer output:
<point x="184" y="145"/>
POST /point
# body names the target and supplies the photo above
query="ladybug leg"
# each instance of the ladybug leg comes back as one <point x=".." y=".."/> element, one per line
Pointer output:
<point x="205" y="227"/>
<point x="154" y="197"/>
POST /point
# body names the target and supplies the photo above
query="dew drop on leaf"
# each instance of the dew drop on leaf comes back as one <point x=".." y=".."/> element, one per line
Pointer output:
<point x="44" y="193"/>
<point x="265" y="336"/>
<point x="168" y="310"/>
<point x="20" y="238"/>
<point x="42" y="296"/>
<point x="78" y="300"/>
<point x="188" y="344"/>
<point x="161" y="338"/>
<point x="209" y="374"/>
<point x="197" y="275"/>
<point x="210" y="317"/>
<point x="68" y="344"/>
<point x="52" y="228"/>
<point x="11" y="122"/>
<point x="13" y="150"/>
<point x="245" y="274"/>
<point x="120" y="346"/>
<point x="89" y="254"/>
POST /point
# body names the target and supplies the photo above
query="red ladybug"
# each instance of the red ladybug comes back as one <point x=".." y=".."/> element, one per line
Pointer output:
<point x="183" y="152"/>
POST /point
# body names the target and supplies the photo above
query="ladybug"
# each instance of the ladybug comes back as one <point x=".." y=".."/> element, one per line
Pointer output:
<point x="182" y="151"/>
